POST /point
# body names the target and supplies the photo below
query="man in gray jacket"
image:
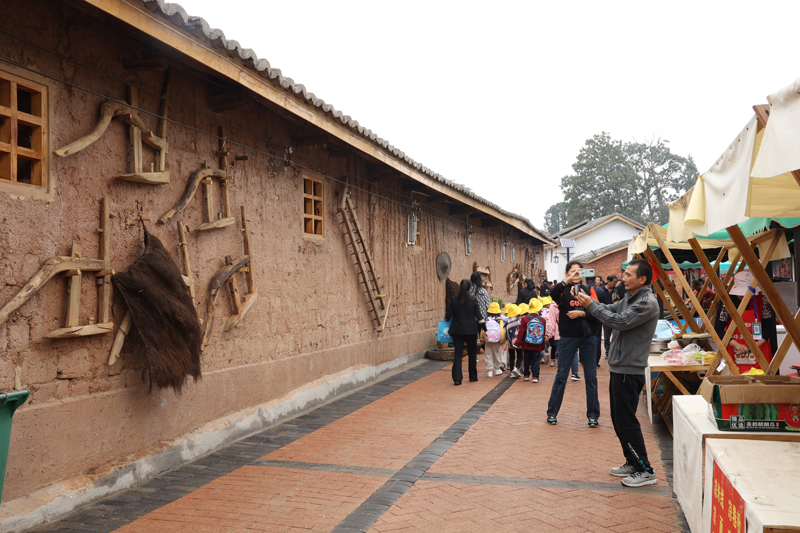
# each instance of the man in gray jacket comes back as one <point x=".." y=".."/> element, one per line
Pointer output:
<point x="635" y="317"/>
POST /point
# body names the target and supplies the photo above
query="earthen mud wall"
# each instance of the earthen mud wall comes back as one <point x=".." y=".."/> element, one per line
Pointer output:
<point x="310" y="320"/>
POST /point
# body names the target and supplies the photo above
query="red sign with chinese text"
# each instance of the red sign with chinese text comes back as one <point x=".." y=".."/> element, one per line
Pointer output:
<point x="727" y="506"/>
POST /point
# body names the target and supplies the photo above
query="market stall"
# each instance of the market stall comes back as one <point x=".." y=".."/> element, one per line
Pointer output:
<point x="692" y="429"/>
<point x="743" y="493"/>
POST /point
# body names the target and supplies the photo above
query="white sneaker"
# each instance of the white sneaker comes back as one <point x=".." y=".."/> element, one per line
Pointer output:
<point x="516" y="373"/>
<point x="640" y="479"/>
<point x="498" y="372"/>
<point x="527" y="378"/>
<point x="552" y="363"/>
<point x="489" y="374"/>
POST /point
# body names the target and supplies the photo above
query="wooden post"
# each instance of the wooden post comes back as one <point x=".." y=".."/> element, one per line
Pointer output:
<point x="161" y="156"/>
<point x="246" y="241"/>
<point x="74" y="291"/>
<point x="104" y="291"/>
<point x="186" y="266"/>
<point x="135" y="133"/>
<point x="223" y="166"/>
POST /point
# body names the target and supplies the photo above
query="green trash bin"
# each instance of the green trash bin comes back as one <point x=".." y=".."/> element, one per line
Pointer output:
<point x="8" y="404"/>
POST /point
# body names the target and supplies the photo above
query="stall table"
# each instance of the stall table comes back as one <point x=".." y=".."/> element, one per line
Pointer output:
<point x="692" y="426"/>
<point x="765" y="476"/>
<point x="656" y="364"/>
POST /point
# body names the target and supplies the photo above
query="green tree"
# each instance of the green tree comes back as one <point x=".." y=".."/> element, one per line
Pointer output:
<point x="604" y="182"/>
<point x="555" y="218"/>
<point x="662" y="176"/>
<point x="634" y="179"/>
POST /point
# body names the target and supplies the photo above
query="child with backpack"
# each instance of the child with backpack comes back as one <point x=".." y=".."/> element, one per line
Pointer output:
<point x="493" y="338"/>
<point x="512" y="340"/>
<point x="534" y="338"/>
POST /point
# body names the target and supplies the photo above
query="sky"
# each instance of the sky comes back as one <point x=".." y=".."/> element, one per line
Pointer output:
<point x="501" y="96"/>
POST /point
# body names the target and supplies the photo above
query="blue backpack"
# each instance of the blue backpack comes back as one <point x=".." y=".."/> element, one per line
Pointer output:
<point x="534" y="333"/>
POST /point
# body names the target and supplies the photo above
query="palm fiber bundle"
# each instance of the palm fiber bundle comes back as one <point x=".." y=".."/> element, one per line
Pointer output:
<point x="163" y="315"/>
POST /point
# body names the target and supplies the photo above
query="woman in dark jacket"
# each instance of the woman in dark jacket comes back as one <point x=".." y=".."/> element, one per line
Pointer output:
<point x="465" y="318"/>
<point x="527" y="292"/>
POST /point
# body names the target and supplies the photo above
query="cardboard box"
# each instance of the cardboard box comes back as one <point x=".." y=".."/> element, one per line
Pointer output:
<point x="753" y="403"/>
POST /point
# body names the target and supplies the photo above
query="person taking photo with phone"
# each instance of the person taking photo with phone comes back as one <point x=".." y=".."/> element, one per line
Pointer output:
<point x="634" y="318"/>
<point x="578" y="330"/>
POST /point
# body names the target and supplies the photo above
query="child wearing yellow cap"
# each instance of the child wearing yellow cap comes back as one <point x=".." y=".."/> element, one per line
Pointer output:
<point x="512" y="340"/>
<point x="493" y="337"/>
<point x="534" y="340"/>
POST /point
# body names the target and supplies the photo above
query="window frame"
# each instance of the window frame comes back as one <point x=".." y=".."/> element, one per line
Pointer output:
<point x="311" y="198"/>
<point x="15" y="76"/>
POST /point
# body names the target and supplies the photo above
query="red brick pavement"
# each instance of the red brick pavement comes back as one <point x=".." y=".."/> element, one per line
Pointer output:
<point x="389" y="432"/>
<point x="256" y="498"/>
<point x="511" y="439"/>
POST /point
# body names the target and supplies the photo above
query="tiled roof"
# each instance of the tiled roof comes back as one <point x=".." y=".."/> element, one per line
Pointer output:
<point x="588" y="225"/>
<point x="200" y="29"/>
<point x="594" y="254"/>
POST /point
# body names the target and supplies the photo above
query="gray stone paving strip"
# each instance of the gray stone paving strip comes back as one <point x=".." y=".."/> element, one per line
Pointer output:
<point x="123" y="508"/>
<point x="543" y="483"/>
<point x="323" y="467"/>
<point x="365" y="516"/>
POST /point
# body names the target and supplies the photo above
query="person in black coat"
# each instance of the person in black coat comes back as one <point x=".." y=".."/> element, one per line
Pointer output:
<point x="527" y="292"/>
<point x="465" y="318"/>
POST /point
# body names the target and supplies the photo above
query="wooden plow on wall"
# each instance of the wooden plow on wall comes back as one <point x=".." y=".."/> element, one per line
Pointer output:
<point x="226" y="276"/>
<point x="366" y="267"/>
<point x="139" y="133"/>
<point x="73" y="268"/>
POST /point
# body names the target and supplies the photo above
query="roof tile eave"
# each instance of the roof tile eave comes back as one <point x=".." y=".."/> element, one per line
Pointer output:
<point x="198" y="27"/>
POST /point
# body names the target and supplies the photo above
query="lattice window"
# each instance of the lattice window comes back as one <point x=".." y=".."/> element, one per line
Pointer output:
<point x="23" y="132"/>
<point x="313" y="207"/>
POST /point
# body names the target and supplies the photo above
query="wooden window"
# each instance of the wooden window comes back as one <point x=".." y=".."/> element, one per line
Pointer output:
<point x="23" y="133"/>
<point x="313" y="207"/>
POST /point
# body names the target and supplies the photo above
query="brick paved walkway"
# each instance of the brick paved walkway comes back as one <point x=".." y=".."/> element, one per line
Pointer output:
<point x="410" y="452"/>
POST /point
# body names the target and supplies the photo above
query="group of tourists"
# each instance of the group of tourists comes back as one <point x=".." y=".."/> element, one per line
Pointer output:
<point x="571" y="318"/>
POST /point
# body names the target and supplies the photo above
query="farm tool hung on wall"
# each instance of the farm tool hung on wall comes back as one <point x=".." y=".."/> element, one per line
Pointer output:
<point x="139" y="133"/>
<point x="366" y="266"/>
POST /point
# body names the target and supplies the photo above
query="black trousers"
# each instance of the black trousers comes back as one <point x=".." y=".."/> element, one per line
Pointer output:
<point x="515" y="358"/>
<point x="471" y="341"/>
<point x="532" y="361"/>
<point x="607" y="338"/>
<point x="624" y="391"/>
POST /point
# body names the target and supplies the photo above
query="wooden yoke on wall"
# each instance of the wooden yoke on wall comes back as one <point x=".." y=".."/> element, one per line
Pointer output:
<point x="73" y="268"/>
<point x="139" y="133"/>
<point x="225" y="276"/>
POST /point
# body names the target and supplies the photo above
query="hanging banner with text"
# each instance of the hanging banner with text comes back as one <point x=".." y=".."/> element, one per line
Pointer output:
<point x="727" y="506"/>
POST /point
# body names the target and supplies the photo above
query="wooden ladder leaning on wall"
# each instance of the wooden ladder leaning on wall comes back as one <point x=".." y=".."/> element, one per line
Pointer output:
<point x="366" y="267"/>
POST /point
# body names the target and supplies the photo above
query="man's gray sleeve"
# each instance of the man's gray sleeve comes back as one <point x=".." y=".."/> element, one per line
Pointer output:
<point x="639" y="313"/>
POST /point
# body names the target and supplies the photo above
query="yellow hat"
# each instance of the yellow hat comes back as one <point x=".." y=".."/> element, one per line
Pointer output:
<point x="546" y="300"/>
<point x="523" y="309"/>
<point x="513" y="311"/>
<point x="507" y="308"/>
<point x="494" y="308"/>
<point x="535" y="305"/>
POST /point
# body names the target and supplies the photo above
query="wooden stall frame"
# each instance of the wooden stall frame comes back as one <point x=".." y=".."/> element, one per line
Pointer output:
<point x="767" y="286"/>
